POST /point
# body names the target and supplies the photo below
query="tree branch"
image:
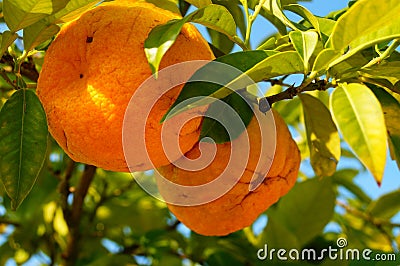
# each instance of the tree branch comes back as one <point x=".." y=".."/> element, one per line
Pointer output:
<point x="74" y="216"/>
<point x="265" y="103"/>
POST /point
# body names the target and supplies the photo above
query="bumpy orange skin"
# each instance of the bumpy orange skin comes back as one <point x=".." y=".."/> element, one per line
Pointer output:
<point x="92" y="69"/>
<point x="239" y="207"/>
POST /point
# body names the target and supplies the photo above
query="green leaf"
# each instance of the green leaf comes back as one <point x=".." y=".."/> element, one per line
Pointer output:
<point x="199" y="3"/>
<point x="19" y="14"/>
<point x="358" y="114"/>
<point x="385" y="70"/>
<point x="323" y="59"/>
<point x="304" y="43"/>
<point x="386" y="206"/>
<point x="23" y="143"/>
<point x="322" y="136"/>
<point x="236" y="12"/>
<point x="162" y="37"/>
<point x="37" y="33"/>
<point x="391" y="111"/>
<point x="304" y="13"/>
<point x="344" y="177"/>
<point x="274" y="7"/>
<point x="170" y="5"/>
<point x="348" y="68"/>
<point x="6" y="39"/>
<point x="72" y="10"/>
<point x="313" y="194"/>
<point x="197" y="87"/>
<point x="220" y="41"/>
<point x="226" y="115"/>
<point x="283" y="63"/>
<point x="258" y="65"/>
<point x="365" y="24"/>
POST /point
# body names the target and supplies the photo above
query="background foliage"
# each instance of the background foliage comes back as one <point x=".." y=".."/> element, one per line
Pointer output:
<point x="53" y="210"/>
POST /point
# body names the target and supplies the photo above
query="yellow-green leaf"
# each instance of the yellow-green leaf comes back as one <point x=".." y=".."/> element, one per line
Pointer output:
<point x="304" y="43"/>
<point x="199" y="3"/>
<point x="19" y="14"/>
<point x="37" y="33"/>
<point x="391" y="110"/>
<point x="6" y="39"/>
<point x="358" y="114"/>
<point x="367" y="22"/>
<point x="322" y="136"/>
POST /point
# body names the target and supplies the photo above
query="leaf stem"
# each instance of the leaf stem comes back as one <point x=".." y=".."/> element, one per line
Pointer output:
<point x="250" y="18"/>
<point x="392" y="47"/>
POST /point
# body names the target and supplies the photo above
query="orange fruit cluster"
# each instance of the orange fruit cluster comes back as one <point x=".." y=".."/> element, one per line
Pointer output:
<point x="90" y="72"/>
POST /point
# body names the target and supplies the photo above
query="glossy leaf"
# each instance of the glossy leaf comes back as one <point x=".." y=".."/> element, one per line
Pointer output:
<point x="6" y="39"/>
<point x="72" y="10"/>
<point x="391" y="111"/>
<point x="358" y="114"/>
<point x="386" y="70"/>
<point x="323" y="60"/>
<point x="304" y="13"/>
<point x="171" y="5"/>
<point x="224" y="115"/>
<point x="240" y="61"/>
<point x="365" y="24"/>
<point x="322" y="136"/>
<point x="304" y="43"/>
<point x="19" y="14"/>
<point x="162" y="37"/>
<point x="279" y="64"/>
<point x="386" y="206"/>
<point x="199" y="3"/>
<point x="221" y="41"/>
<point x="274" y="7"/>
<point x="237" y="13"/>
<point x="23" y="143"/>
<point x="37" y="33"/>
<point x="320" y="196"/>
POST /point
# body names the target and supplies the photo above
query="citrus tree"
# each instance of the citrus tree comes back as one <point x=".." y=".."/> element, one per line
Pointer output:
<point x="334" y="80"/>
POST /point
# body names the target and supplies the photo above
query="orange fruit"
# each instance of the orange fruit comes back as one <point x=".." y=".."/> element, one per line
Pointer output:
<point x="239" y="207"/>
<point x="91" y="70"/>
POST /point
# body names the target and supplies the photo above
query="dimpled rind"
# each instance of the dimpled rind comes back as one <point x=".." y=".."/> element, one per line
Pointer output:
<point x="91" y="70"/>
<point x="239" y="207"/>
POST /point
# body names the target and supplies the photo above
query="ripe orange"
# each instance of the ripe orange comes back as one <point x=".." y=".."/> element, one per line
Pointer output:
<point x="239" y="207"/>
<point x="92" y="69"/>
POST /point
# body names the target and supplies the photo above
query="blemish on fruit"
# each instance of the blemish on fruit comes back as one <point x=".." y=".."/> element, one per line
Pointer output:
<point x="89" y="39"/>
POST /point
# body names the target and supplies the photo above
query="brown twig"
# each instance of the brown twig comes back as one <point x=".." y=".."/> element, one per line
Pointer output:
<point x="28" y="68"/>
<point x="73" y="217"/>
<point x="292" y="91"/>
<point x="9" y="222"/>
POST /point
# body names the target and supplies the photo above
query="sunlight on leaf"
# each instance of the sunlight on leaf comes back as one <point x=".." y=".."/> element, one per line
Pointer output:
<point x="364" y="24"/>
<point x="358" y="114"/>
<point x="162" y="37"/>
<point x="322" y="136"/>
<point x="391" y="111"/>
<point x="304" y="43"/>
